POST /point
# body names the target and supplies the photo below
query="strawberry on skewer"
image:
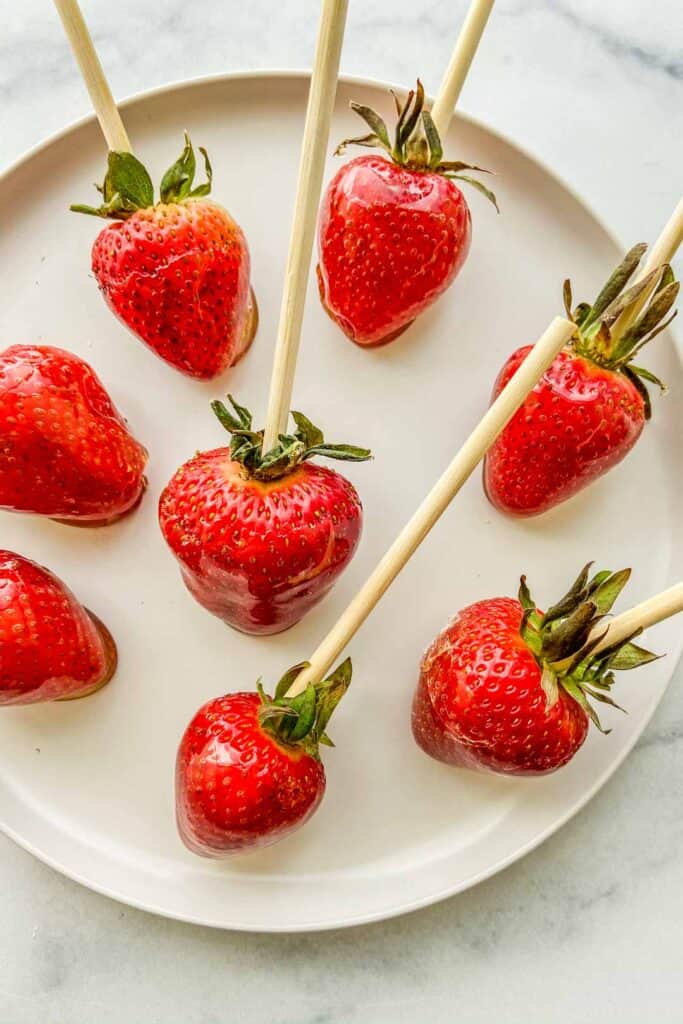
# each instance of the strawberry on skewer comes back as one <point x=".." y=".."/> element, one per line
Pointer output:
<point x="508" y="689"/>
<point x="65" y="450"/>
<point x="248" y="769"/>
<point x="589" y="410"/>
<point x="175" y="271"/>
<point x="260" y="531"/>
<point x="51" y="648"/>
<point x="261" y="539"/>
<point x="395" y="229"/>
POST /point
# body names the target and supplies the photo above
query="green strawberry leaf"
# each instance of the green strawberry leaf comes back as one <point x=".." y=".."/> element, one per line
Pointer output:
<point x="288" y="678"/>
<point x="631" y="656"/>
<point x="569" y="634"/>
<point x="568" y="641"/>
<point x="128" y="178"/>
<point x="608" y="591"/>
<point x="566" y="604"/>
<point x="305" y="707"/>
<point x="480" y="187"/>
<point x="246" y="445"/>
<point x="177" y="181"/>
<point x="616" y="282"/>
<point x="377" y="126"/>
<point x="347" y="452"/>
<point x="205" y="188"/>
<point x="308" y="432"/>
<point x="408" y="119"/>
<point x="176" y="184"/>
<point x="127" y="187"/>
<point x="330" y="692"/>
<point x="417" y="144"/>
<point x="433" y="140"/>
<point x="524" y="595"/>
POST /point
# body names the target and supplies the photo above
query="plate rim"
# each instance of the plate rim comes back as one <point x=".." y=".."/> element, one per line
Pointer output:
<point x="112" y="892"/>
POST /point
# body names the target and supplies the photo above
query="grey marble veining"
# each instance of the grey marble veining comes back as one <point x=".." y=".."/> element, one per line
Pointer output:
<point x="587" y="928"/>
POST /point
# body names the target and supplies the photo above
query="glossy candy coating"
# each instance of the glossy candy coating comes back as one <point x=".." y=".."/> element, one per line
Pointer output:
<point x="391" y="240"/>
<point x="259" y="554"/>
<point x="177" y="274"/>
<point x="65" y="451"/>
<point x="51" y="648"/>
<point x="237" y="788"/>
<point x="479" y="702"/>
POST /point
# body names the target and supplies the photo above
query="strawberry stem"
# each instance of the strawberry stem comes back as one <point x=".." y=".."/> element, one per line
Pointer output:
<point x="127" y="186"/>
<point x="302" y="720"/>
<point x="563" y="640"/>
<point x="307" y="441"/>
<point x="417" y="144"/>
<point x="597" y="340"/>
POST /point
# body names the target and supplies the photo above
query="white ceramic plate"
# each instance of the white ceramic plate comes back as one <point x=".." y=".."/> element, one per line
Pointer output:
<point x="88" y="787"/>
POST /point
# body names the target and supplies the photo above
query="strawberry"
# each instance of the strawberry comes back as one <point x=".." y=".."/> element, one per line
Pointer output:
<point x="51" y="648"/>
<point x="249" y="771"/>
<point x="393" y="233"/>
<point x="506" y="688"/>
<point x="261" y="538"/>
<point x="589" y="408"/>
<point x="65" y="451"/>
<point x="175" y="272"/>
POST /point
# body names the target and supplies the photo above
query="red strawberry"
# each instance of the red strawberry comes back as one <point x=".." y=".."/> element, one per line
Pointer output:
<point x="507" y="689"/>
<point x="175" y="272"/>
<point x="65" y="451"/>
<point x="51" y="648"/>
<point x="249" y="771"/>
<point x="261" y="538"/>
<point x="588" y="410"/>
<point x="393" y="233"/>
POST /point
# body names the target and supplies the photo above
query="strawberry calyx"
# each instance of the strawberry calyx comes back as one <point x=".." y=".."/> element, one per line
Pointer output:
<point x="561" y="641"/>
<point x="127" y="186"/>
<point x="598" y="336"/>
<point x="302" y="721"/>
<point x="307" y="441"/>
<point x="416" y="145"/>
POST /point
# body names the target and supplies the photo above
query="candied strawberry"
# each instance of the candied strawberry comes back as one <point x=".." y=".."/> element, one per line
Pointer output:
<point x="65" y="451"/>
<point x="589" y="408"/>
<point x="175" y="272"/>
<point x="393" y="233"/>
<point x="508" y="689"/>
<point x="261" y="538"/>
<point x="248" y="771"/>
<point x="51" y="648"/>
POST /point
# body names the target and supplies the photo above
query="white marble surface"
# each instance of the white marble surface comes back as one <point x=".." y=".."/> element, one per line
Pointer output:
<point x="588" y="927"/>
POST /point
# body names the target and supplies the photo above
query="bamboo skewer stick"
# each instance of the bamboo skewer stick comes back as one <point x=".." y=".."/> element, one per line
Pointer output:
<point x="313" y="151"/>
<point x="649" y="613"/>
<point x="449" y="91"/>
<point x="666" y="246"/>
<point x="438" y="499"/>
<point x="86" y="57"/>
<point x="663" y="251"/>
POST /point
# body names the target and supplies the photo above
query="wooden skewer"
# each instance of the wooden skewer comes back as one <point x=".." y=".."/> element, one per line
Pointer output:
<point x="102" y="100"/>
<point x="313" y="151"/>
<point x="666" y="246"/>
<point x="663" y="251"/>
<point x="438" y="499"/>
<point x="650" y="612"/>
<point x="463" y="54"/>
